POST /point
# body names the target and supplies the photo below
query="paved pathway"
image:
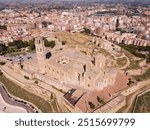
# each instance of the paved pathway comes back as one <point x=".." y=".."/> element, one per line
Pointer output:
<point x="42" y="89"/>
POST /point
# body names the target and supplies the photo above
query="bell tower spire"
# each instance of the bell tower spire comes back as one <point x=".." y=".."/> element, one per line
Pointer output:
<point x="40" y="52"/>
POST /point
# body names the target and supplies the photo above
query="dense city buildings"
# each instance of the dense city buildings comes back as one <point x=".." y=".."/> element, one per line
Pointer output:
<point x="85" y="56"/>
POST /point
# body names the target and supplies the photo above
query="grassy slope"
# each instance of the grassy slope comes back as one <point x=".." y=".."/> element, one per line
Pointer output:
<point x="17" y="91"/>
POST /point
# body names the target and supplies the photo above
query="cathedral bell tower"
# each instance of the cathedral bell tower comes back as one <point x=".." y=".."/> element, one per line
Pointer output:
<point x="40" y="52"/>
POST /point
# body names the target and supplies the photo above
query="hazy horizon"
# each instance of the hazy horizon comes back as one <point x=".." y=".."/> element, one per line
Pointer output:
<point x="37" y="1"/>
<point x="69" y="0"/>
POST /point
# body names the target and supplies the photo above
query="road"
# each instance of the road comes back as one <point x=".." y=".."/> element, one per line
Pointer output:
<point x="15" y="102"/>
<point x="42" y="89"/>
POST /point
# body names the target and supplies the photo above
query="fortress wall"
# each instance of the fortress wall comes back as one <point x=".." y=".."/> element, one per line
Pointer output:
<point x="113" y="106"/>
<point x="11" y="78"/>
<point x="52" y="82"/>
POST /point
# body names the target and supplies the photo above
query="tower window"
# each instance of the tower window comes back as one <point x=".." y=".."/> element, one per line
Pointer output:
<point x="84" y="67"/>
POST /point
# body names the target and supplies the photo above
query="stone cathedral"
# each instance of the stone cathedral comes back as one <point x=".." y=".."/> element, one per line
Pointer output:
<point x="69" y="66"/>
<point x="73" y="67"/>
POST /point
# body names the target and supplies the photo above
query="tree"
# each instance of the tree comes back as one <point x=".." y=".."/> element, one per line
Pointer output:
<point x="31" y="45"/>
<point x="133" y="49"/>
<point x="100" y="100"/>
<point x="4" y="27"/>
<point x="49" y="43"/>
<point x="64" y="42"/>
<point x="45" y="24"/>
<point x="148" y="59"/>
<point x="86" y="31"/>
<point x="18" y="44"/>
<point x="92" y="106"/>
<point x="3" y="49"/>
<point x="9" y="50"/>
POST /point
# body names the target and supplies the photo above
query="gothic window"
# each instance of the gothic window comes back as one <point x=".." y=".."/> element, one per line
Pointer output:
<point x="84" y="68"/>
<point x="82" y="74"/>
<point x="78" y="77"/>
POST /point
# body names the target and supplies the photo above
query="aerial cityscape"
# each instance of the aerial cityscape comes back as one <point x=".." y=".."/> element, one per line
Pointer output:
<point x="75" y="56"/>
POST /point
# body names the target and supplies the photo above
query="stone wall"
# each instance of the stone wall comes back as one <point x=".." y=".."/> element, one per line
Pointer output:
<point x="113" y="106"/>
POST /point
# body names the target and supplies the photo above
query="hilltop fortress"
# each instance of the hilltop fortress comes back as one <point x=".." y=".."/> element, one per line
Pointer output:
<point x="82" y="76"/>
<point x="70" y="66"/>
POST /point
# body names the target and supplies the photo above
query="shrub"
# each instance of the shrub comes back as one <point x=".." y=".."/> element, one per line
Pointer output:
<point x="100" y="100"/>
<point x="52" y="96"/>
<point x="36" y="82"/>
<point x="86" y="31"/>
<point x="2" y="63"/>
<point x="63" y="42"/>
<point x="26" y="77"/>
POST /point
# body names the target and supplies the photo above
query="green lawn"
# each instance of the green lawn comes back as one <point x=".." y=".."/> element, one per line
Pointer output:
<point x="44" y="106"/>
